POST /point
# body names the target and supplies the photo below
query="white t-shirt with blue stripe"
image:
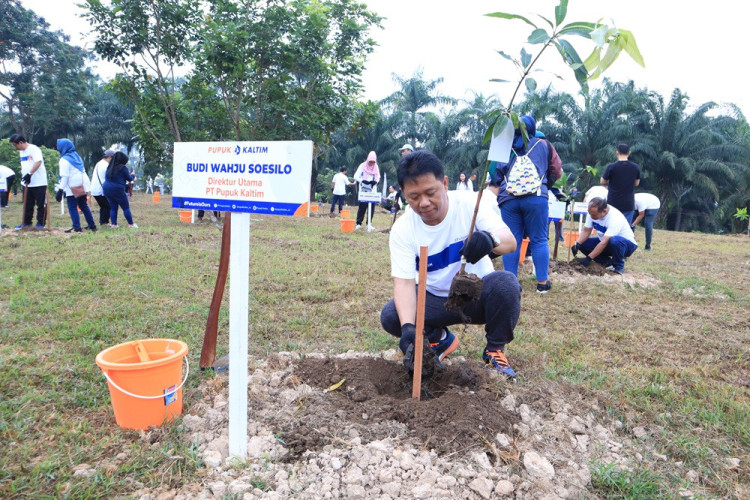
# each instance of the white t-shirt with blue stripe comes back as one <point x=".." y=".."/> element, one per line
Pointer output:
<point x="443" y="241"/>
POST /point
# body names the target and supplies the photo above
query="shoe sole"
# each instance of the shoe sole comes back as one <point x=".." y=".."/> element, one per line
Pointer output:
<point x="450" y="349"/>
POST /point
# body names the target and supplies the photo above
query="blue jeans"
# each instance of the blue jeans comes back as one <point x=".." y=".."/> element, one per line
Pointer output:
<point x="117" y="197"/>
<point x="73" y="204"/>
<point x="648" y="223"/>
<point x="617" y="250"/>
<point x="498" y="309"/>
<point x="528" y="214"/>
<point x="338" y="198"/>
<point x="629" y="215"/>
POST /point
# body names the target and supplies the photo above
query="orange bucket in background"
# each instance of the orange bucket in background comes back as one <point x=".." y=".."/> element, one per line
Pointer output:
<point x="522" y="253"/>
<point x="186" y="215"/>
<point x="313" y="208"/>
<point x="157" y="196"/>
<point x="145" y="380"/>
<point x="345" y="214"/>
<point x="570" y="238"/>
<point x="347" y="225"/>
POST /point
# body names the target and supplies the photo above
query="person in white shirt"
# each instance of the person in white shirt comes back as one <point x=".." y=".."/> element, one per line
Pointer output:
<point x="617" y="241"/>
<point x="440" y="219"/>
<point x="34" y="176"/>
<point x="7" y="177"/>
<point x="646" y="206"/>
<point x="338" y="185"/>
<point x="72" y="175"/>
<point x="97" y="179"/>
<point x="464" y="183"/>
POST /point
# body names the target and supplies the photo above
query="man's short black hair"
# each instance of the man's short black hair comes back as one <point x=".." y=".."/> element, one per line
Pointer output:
<point x="342" y="169"/>
<point x="600" y="204"/>
<point x="417" y="164"/>
<point x="16" y="138"/>
<point x="623" y="149"/>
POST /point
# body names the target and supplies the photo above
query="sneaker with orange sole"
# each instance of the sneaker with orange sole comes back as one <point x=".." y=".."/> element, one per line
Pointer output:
<point x="445" y="346"/>
<point x="497" y="361"/>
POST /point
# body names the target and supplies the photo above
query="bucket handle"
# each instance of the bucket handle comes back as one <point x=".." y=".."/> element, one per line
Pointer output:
<point x="187" y="372"/>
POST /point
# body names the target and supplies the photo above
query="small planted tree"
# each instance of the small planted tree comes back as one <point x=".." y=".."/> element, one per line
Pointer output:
<point x="742" y="216"/>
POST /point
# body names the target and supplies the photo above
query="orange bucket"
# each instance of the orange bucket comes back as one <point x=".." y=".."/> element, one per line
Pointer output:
<point x="570" y="238"/>
<point x="145" y="380"/>
<point x="345" y="214"/>
<point x="313" y="208"/>
<point x="186" y="215"/>
<point x="157" y="196"/>
<point x="524" y="246"/>
<point x="347" y="225"/>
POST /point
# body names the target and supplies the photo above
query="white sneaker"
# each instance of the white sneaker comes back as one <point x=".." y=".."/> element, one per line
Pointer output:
<point x="358" y="226"/>
<point x="213" y="218"/>
<point x="133" y="225"/>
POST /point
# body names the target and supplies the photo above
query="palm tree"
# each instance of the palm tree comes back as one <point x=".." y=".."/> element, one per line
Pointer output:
<point x="410" y="103"/>
<point x="685" y="159"/>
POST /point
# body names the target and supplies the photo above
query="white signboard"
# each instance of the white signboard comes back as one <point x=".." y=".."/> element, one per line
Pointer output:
<point x="270" y="177"/>
<point x="556" y="210"/>
<point x="371" y="196"/>
<point x="580" y="208"/>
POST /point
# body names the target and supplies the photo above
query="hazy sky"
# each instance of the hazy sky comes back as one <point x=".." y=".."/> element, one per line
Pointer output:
<point x="695" y="46"/>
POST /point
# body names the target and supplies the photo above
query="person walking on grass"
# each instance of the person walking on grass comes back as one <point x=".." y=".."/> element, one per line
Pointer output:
<point x="615" y="242"/>
<point x="338" y="186"/>
<point x="621" y="179"/>
<point x="117" y="176"/>
<point x="523" y="198"/>
<point x="7" y="178"/>
<point x="97" y="179"/>
<point x="75" y="183"/>
<point x="368" y="176"/>
<point x="647" y="206"/>
<point x="34" y="176"/>
<point x="440" y="219"/>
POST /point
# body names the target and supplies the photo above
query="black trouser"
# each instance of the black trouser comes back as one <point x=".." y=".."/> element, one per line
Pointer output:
<point x="37" y="196"/>
<point x="104" y="208"/>
<point x="201" y="213"/>
<point x="362" y="212"/>
<point x="4" y="195"/>
<point x="498" y="309"/>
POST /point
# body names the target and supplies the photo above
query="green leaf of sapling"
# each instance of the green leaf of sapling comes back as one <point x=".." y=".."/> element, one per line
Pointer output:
<point x="530" y="84"/>
<point x="561" y="11"/>
<point x="539" y="35"/>
<point x="503" y="15"/>
<point x="525" y="58"/>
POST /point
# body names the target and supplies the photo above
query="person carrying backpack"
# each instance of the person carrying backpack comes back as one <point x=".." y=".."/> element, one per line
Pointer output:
<point x="523" y="198"/>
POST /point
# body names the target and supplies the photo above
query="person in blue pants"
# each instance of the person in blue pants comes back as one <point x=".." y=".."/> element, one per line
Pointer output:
<point x="118" y="175"/>
<point x="527" y="212"/>
<point x="617" y="241"/>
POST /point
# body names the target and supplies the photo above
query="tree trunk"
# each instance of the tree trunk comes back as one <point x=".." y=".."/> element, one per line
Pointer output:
<point x="678" y="220"/>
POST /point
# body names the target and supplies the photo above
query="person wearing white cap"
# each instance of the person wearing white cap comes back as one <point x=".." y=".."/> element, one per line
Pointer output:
<point x="406" y="149"/>
<point x="97" y="179"/>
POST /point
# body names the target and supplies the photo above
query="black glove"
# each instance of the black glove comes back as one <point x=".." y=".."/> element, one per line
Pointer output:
<point x="575" y="249"/>
<point x="59" y="195"/>
<point x="479" y="245"/>
<point x="585" y="261"/>
<point x="27" y="179"/>
<point x="369" y="183"/>
<point x="632" y="227"/>
<point x="408" y="336"/>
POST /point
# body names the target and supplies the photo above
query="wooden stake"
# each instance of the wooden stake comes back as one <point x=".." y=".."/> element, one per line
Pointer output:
<point x="570" y="230"/>
<point x="416" y="387"/>
<point x="208" y="352"/>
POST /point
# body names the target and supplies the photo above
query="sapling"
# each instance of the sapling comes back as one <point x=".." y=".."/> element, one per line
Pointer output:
<point x="608" y="41"/>
<point x="742" y="215"/>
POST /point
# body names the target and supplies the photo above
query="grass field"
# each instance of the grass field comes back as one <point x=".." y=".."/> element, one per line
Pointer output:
<point x="667" y="348"/>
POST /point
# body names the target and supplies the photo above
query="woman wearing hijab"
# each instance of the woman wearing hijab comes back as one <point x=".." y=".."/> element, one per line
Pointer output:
<point x="368" y="176"/>
<point x="118" y="175"/>
<point x="75" y="183"/>
<point x="528" y="213"/>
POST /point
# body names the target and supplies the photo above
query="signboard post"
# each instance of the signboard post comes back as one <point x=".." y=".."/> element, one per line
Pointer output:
<point x="271" y="178"/>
